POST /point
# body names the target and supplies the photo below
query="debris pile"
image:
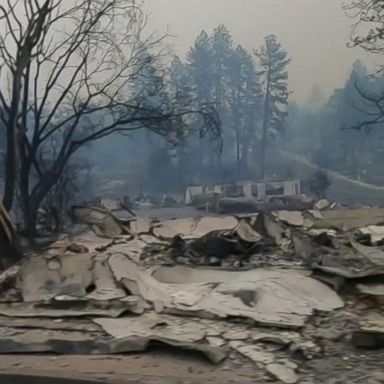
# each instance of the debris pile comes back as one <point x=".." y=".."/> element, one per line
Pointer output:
<point x="121" y="285"/>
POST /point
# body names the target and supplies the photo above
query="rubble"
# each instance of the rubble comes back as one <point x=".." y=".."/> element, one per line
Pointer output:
<point x="39" y="282"/>
<point x="307" y="349"/>
<point x="284" y="373"/>
<point x="347" y="259"/>
<point x="10" y="248"/>
<point x="68" y="309"/>
<point x="110" y="204"/>
<point x="236" y="335"/>
<point x="253" y="352"/>
<point x="350" y="218"/>
<point x="106" y="287"/>
<point x="153" y="327"/>
<point x="216" y="341"/>
<point x="298" y="297"/>
<point x="140" y="225"/>
<point x="293" y="218"/>
<point x="193" y="228"/>
<point x="372" y="289"/>
<point x="103" y="222"/>
<point x="218" y="247"/>
<point x="375" y="233"/>
<point x="124" y="286"/>
<point x="322" y="204"/>
<point x="8" y="277"/>
<point x="379" y="376"/>
<point x="370" y="333"/>
<point x="280" y="338"/>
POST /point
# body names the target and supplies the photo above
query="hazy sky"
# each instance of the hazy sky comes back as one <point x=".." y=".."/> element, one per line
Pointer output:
<point x="315" y="33"/>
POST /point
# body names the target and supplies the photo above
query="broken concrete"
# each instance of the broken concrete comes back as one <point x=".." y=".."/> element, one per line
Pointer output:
<point x="322" y="204"/>
<point x="374" y="232"/>
<point x="371" y="289"/>
<point x="283" y="372"/>
<point x="8" y="278"/>
<point x="106" y="287"/>
<point x="293" y="218"/>
<point x="103" y="222"/>
<point x="70" y="309"/>
<point x="39" y="280"/>
<point x="153" y="327"/>
<point x="349" y="260"/>
<point x="253" y="352"/>
<point x="350" y="218"/>
<point x="254" y="298"/>
<point x="193" y="228"/>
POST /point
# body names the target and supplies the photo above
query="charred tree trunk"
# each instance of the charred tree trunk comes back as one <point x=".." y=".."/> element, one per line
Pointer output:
<point x="11" y="151"/>
<point x="25" y="164"/>
<point x="46" y="181"/>
<point x="10" y="251"/>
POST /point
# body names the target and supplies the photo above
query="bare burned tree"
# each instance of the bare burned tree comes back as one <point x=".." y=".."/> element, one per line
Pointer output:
<point x="17" y="46"/>
<point x="371" y="107"/>
<point x="368" y="29"/>
<point x="71" y="67"/>
<point x="368" y="33"/>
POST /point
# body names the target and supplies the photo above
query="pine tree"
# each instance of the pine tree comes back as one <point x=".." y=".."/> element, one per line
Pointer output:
<point x="273" y="60"/>
<point x="199" y="65"/>
<point x="244" y="98"/>
<point x="222" y="51"/>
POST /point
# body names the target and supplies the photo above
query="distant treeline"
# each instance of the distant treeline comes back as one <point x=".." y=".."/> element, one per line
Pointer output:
<point x="345" y="132"/>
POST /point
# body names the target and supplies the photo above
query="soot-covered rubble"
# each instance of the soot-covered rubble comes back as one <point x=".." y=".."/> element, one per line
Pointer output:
<point x="279" y="289"/>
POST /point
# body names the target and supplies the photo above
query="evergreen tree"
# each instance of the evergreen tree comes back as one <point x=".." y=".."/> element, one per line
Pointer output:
<point x="219" y="74"/>
<point x="273" y="61"/>
<point x="244" y="102"/>
<point x="341" y="145"/>
<point x="200" y="67"/>
<point x="222" y="53"/>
